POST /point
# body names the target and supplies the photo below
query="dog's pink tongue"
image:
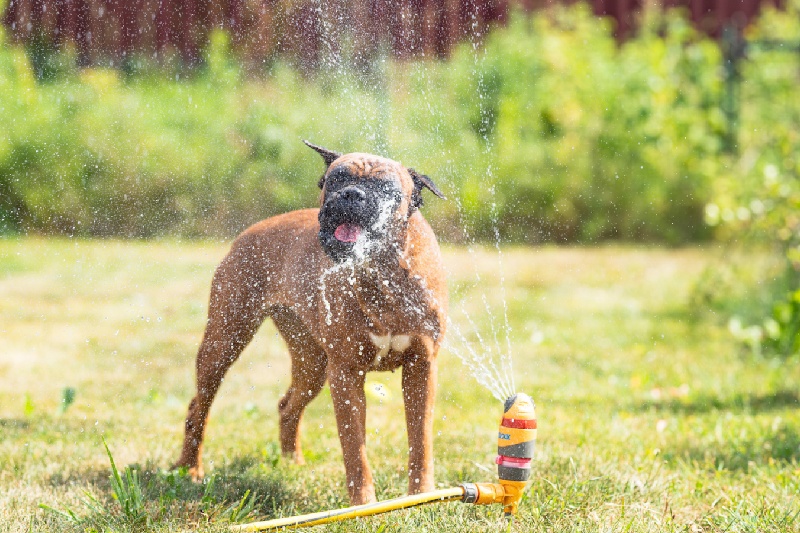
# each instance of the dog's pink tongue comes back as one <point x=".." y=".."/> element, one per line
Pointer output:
<point x="347" y="232"/>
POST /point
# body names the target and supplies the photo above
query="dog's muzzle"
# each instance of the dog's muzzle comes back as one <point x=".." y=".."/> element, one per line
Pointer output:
<point x="353" y="219"/>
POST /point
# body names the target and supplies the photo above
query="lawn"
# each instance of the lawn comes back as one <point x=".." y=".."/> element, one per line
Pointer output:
<point x="652" y="417"/>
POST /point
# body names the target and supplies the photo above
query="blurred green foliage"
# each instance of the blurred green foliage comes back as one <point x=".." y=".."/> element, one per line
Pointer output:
<point x="598" y="141"/>
<point x="94" y="153"/>
<point x="756" y="197"/>
<point x="548" y="131"/>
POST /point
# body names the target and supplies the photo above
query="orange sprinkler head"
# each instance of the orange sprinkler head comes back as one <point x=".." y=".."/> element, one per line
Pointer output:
<point x="516" y="440"/>
<point x="515" y="445"/>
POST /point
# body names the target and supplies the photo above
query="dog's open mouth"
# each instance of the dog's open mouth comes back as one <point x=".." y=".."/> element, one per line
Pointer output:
<point x="347" y="232"/>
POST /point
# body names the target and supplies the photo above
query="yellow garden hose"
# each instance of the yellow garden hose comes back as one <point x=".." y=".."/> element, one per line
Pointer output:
<point x="369" y="509"/>
<point x="515" y="446"/>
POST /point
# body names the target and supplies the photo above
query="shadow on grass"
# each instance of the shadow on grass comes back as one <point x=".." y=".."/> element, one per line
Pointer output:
<point x="742" y="454"/>
<point x="174" y="493"/>
<point x="781" y="399"/>
<point x="227" y="485"/>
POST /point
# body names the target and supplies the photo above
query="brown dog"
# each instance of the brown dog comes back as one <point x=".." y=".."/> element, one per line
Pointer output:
<point x="354" y="286"/>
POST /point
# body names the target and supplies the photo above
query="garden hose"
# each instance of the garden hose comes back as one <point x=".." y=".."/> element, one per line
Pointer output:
<point x="369" y="509"/>
<point x="515" y="447"/>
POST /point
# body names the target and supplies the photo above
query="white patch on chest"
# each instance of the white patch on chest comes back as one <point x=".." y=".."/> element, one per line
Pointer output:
<point x="386" y="343"/>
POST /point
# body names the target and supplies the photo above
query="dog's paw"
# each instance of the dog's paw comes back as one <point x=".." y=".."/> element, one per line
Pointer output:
<point x="294" y="457"/>
<point x="196" y="474"/>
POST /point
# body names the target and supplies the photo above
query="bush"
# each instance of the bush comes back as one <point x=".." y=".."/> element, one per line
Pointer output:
<point x="97" y="154"/>
<point x="550" y="131"/>
<point x="595" y="141"/>
<point x="757" y="198"/>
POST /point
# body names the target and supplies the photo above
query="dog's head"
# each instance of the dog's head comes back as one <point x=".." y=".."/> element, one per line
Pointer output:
<point x="366" y="203"/>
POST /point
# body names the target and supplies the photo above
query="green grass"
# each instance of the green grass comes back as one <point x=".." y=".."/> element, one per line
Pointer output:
<point x="651" y="416"/>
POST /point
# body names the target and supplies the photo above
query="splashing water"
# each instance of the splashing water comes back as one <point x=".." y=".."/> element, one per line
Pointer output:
<point x="488" y="359"/>
<point x="361" y="251"/>
<point x="483" y="345"/>
<point x="487" y="356"/>
<point x="323" y="287"/>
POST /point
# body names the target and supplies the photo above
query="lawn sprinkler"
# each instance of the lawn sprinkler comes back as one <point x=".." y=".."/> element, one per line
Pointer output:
<point x="516" y="440"/>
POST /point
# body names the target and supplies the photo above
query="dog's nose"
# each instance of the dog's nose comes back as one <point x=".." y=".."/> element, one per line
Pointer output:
<point x="353" y="196"/>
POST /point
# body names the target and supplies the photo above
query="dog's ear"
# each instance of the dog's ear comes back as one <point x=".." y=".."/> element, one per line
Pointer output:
<point x="326" y="154"/>
<point x="329" y="157"/>
<point x="421" y="181"/>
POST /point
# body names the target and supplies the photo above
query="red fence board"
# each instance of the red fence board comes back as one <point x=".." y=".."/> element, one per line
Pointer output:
<point x="109" y="31"/>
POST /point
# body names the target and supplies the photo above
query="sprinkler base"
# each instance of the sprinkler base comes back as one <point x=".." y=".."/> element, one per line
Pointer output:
<point x="509" y="493"/>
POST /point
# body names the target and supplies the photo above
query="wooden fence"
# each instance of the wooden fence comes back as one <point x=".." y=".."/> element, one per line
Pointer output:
<point x="307" y="31"/>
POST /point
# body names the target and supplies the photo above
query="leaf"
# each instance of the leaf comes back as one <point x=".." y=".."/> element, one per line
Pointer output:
<point x="66" y="514"/>
<point x="67" y="399"/>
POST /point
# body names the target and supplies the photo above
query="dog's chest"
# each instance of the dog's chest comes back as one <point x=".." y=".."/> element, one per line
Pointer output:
<point x="389" y="350"/>
<point x="387" y="343"/>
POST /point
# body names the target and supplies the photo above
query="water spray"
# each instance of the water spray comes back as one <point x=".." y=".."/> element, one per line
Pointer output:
<point x="515" y="446"/>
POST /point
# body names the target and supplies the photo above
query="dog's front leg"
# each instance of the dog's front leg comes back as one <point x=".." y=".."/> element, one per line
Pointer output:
<point x="350" y="406"/>
<point x="419" y="394"/>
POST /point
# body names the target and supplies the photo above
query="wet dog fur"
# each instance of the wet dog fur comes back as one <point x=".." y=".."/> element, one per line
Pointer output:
<point x="354" y="286"/>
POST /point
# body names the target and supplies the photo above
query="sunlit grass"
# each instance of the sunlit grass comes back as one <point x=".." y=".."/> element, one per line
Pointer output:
<point x="651" y="416"/>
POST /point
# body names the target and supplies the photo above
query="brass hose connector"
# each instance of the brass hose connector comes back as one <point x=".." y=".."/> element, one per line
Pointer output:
<point x="508" y="493"/>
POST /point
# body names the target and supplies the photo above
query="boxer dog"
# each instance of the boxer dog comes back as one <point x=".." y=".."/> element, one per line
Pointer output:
<point x="354" y="286"/>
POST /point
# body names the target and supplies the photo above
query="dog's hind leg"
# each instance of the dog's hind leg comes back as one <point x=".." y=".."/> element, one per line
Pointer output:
<point x="308" y="378"/>
<point x="236" y="310"/>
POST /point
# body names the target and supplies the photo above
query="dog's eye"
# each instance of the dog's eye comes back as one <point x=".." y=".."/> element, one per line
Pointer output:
<point x="387" y="187"/>
<point x="336" y="179"/>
